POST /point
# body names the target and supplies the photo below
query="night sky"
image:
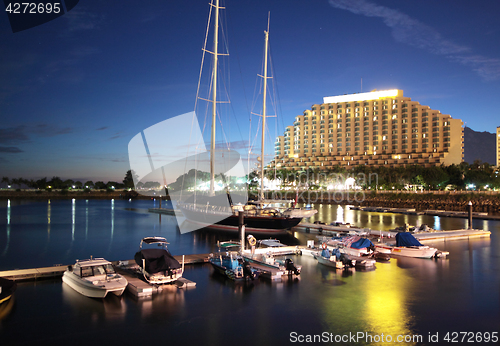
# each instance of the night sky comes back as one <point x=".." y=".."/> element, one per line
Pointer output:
<point x="74" y="91"/>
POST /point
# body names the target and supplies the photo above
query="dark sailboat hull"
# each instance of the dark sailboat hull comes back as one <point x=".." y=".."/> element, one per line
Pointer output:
<point x="262" y="224"/>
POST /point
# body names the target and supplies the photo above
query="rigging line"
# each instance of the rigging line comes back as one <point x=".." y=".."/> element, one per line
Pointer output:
<point x="197" y="91"/>
<point x="230" y="23"/>
<point x="279" y="111"/>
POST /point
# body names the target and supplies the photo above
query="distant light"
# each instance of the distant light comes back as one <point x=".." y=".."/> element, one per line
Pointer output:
<point x="361" y="96"/>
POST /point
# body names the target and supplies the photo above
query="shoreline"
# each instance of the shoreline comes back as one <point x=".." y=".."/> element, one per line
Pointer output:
<point x="93" y="194"/>
<point x="482" y="202"/>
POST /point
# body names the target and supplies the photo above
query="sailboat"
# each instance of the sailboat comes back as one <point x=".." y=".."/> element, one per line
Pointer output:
<point x="219" y="212"/>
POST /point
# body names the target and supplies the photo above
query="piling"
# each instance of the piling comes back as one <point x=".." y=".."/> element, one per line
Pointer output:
<point x="470" y="215"/>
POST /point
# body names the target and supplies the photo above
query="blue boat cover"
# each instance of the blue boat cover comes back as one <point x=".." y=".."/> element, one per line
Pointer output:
<point x="361" y="243"/>
<point x="406" y="239"/>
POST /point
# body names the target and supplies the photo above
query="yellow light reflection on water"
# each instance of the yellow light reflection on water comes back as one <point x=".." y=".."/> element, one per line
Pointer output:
<point x="387" y="291"/>
<point x="373" y="303"/>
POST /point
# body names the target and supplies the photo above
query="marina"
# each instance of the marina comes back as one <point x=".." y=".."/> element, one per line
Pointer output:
<point x="413" y="211"/>
<point x="113" y="229"/>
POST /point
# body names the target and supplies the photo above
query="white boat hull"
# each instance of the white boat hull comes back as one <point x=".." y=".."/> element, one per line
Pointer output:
<point x="415" y="252"/>
<point x="330" y="262"/>
<point x="93" y="287"/>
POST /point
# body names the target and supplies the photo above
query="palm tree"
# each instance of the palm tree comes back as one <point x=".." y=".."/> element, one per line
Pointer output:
<point x="6" y="180"/>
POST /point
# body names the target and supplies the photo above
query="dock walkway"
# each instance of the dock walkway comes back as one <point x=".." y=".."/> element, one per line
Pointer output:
<point x="58" y="270"/>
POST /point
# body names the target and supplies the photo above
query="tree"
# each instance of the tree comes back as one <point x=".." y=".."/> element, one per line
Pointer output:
<point x="88" y="184"/>
<point x="6" y="180"/>
<point x="100" y="185"/>
<point x="129" y="179"/>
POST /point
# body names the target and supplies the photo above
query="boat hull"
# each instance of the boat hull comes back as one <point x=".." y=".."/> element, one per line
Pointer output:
<point x="235" y="229"/>
<point x="330" y="263"/>
<point x="100" y="289"/>
<point x="236" y="274"/>
<point x="253" y="223"/>
<point x="415" y="252"/>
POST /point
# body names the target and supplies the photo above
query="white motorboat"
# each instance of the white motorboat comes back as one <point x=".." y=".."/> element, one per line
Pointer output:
<point x="333" y="259"/>
<point x="407" y="246"/>
<point x="94" y="278"/>
<point x="157" y="264"/>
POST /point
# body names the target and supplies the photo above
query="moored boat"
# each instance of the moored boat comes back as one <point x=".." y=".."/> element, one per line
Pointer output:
<point x="231" y="264"/>
<point x="408" y="246"/>
<point x="94" y="278"/>
<point x="7" y="289"/>
<point x="157" y="265"/>
<point x="213" y="213"/>
<point x="334" y="259"/>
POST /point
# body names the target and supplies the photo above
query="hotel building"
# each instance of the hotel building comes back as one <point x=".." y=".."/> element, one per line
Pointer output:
<point x="498" y="147"/>
<point x="374" y="128"/>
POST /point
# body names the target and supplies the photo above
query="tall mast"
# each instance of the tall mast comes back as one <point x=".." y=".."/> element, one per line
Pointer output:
<point x="214" y="98"/>
<point x="264" y="111"/>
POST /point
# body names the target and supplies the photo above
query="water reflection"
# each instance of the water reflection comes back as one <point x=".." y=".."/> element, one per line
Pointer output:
<point x="387" y="221"/>
<point x="169" y="301"/>
<point x="109" y="308"/>
<point x="7" y="229"/>
<point x="387" y="295"/>
<point x="73" y="217"/>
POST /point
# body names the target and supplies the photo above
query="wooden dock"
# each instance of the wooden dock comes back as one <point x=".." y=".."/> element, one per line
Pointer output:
<point x="58" y="270"/>
<point x="422" y="237"/>
<point x="413" y="211"/>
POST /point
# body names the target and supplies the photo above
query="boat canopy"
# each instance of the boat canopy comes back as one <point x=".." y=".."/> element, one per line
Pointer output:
<point x="361" y="243"/>
<point x="154" y="240"/>
<point x="406" y="239"/>
<point x="156" y="260"/>
<point x="356" y="242"/>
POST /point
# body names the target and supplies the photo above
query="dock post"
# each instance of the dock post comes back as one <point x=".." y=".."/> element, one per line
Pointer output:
<point x="470" y="215"/>
<point x="241" y="228"/>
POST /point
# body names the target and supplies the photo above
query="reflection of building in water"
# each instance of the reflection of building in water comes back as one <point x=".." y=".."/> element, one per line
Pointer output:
<point x="7" y="230"/>
<point x="373" y="302"/>
<point x="387" y="302"/>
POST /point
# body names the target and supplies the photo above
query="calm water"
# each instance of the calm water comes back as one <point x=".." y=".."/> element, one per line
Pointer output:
<point x="404" y="297"/>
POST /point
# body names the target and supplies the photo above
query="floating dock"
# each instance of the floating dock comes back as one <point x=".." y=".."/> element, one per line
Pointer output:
<point x="413" y="211"/>
<point x="423" y="236"/>
<point x="58" y="270"/>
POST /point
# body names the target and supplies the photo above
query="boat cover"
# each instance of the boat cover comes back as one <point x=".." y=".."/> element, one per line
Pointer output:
<point x="156" y="260"/>
<point x="406" y="239"/>
<point x="357" y="242"/>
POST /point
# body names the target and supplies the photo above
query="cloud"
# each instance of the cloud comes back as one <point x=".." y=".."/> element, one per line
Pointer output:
<point x="12" y="150"/>
<point x="80" y="19"/>
<point x="415" y="33"/>
<point x="102" y="128"/>
<point x="21" y="133"/>
<point x="13" y="135"/>
<point x="234" y="145"/>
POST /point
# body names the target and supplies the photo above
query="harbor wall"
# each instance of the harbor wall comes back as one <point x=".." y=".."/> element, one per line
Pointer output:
<point x="456" y="201"/>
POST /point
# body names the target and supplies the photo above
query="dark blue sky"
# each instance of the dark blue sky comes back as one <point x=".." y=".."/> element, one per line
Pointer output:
<point x="75" y="90"/>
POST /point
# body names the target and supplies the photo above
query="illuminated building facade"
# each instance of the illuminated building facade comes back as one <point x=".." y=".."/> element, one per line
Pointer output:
<point x="374" y="128"/>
